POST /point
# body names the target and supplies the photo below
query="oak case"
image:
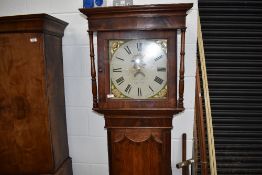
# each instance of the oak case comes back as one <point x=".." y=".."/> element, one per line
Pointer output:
<point x="33" y="133"/>
<point x="139" y="130"/>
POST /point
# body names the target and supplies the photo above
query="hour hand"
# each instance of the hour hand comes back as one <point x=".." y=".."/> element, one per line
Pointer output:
<point x="139" y="72"/>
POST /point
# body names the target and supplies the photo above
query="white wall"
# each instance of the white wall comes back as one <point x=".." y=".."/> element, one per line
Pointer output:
<point x="87" y="137"/>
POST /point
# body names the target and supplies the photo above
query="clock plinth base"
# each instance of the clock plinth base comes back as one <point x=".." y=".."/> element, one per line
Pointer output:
<point x="139" y="145"/>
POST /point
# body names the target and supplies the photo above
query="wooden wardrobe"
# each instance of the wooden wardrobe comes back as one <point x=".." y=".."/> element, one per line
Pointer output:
<point x="33" y="134"/>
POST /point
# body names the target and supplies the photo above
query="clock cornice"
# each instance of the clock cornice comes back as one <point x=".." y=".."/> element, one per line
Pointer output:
<point x="141" y="17"/>
<point x="138" y="9"/>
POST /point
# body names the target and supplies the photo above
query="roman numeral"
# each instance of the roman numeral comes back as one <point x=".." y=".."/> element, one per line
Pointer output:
<point x="158" y="80"/>
<point x="120" y="80"/>
<point x="120" y="59"/>
<point x="161" y="69"/>
<point x="158" y="58"/>
<point x="139" y="92"/>
<point x="128" y="50"/>
<point x="117" y="70"/>
<point x="139" y="46"/>
<point x="128" y="88"/>
<point x="151" y="89"/>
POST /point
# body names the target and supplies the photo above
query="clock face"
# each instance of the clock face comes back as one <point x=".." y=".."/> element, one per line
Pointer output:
<point x="138" y="68"/>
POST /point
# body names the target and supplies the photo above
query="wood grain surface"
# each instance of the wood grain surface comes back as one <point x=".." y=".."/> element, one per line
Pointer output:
<point x="33" y="135"/>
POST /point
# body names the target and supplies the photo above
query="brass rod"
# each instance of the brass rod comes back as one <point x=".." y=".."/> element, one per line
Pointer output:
<point x="211" y="145"/>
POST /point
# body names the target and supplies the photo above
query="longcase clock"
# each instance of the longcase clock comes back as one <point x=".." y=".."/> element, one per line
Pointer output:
<point x="137" y="88"/>
<point x="33" y="134"/>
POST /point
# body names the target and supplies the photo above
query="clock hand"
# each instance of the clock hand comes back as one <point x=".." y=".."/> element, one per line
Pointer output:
<point x="139" y="72"/>
<point x="138" y="65"/>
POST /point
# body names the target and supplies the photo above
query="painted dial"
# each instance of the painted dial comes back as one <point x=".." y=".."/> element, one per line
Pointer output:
<point x="138" y="69"/>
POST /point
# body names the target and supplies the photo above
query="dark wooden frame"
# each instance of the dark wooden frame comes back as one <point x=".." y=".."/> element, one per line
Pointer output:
<point x="103" y="67"/>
